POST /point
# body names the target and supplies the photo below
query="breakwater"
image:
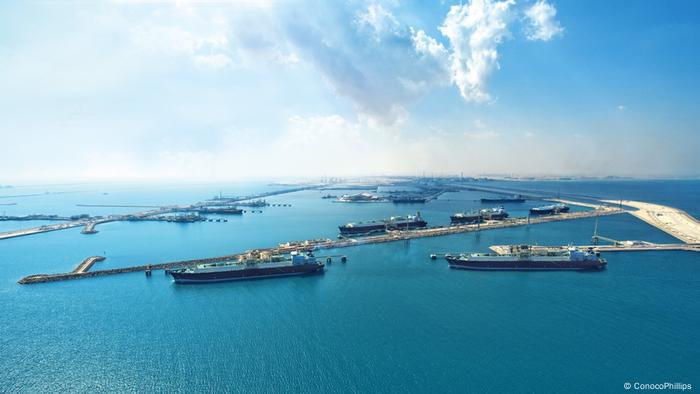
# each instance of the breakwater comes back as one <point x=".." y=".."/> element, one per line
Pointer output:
<point x="90" y="223"/>
<point x="317" y="244"/>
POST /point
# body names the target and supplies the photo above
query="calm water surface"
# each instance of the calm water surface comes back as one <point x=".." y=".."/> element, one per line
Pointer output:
<point x="390" y="320"/>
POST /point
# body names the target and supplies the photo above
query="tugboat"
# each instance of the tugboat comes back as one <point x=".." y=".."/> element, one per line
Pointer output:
<point x="549" y="209"/>
<point x="524" y="258"/>
<point x="249" y="268"/>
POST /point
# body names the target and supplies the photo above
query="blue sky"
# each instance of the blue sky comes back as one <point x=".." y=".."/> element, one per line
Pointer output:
<point x="228" y="90"/>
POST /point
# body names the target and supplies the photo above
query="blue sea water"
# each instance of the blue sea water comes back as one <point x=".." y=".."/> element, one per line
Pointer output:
<point x="389" y="320"/>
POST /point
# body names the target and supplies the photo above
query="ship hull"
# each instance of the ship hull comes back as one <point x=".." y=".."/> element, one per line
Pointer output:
<point x="542" y="212"/>
<point x="455" y="220"/>
<point x="498" y="216"/>
<point x="408" y="226"/>
<point x="525" y="265"/>
<point x="380" y="228"/>
<point x="362" y="230"/>
<point x="247" y="274"/>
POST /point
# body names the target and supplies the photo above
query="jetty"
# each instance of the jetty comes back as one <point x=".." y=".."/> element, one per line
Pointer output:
<point x="87" y="264"/>
<point x="673" y="221"/>
<point x="33" y="217"/>
<point x="90" y="223"/>
<point x="40" y="229"/>
<point x="621" y="246"/>
<point x="324" y="243"/>
<point x="116" y="206"/>
<point x="234" y="199"/>
<point x="89" y="228"/>
<point x="572" y="202"/>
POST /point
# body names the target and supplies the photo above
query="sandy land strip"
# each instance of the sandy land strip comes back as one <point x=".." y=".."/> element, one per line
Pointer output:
<point x="671" y="220"/>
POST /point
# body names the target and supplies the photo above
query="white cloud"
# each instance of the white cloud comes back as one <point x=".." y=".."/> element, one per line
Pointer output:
<point x="182" y="31"/>
<point x="381" y="77"/>
<point x="378" y="64"/>
<point x="475" y="30"/>
<point x="176" y="39"/>
<point x="482" y="135"/>
<point x="217" y="35"/>
<point x="320" y="145"/>
<point x="290" y="58"/>
<point x="428" y="46"/>
<point x="481" y="132"/>
<point x="542" y="24"/>
<point x="621" y="107"/>
<point x="213" y="61"/>
<point x="378" y="19"/>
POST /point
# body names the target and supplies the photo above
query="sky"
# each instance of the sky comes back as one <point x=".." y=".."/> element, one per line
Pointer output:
<point x="243" y="89"/>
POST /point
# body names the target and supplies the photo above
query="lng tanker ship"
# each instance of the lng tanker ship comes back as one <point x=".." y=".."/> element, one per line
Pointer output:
<point x="498" y="213"/>
<point x="409" y="222"/>
<point x="466" y="218"/>
<point x="525" y="259"/>
<point x="479" y="216"/>
<point x="549" y="209"/>
<point x="251" y="268"/>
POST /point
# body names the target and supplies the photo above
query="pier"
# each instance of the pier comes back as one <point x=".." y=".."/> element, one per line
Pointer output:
<point x="621" y="246"/>
<point x="89" y="228"/>
<point x="90" y="223"/>
<point x="503" y="191"/>
<point x="33" y="217"/>
<point x="527" y="193"/>
<point x="116" y="206"/>
<point x="234" y="199"/>
<point x="572" y="202"/>
<point x="87" y="264"/>
<point x="85" y="273"/>
<point x="40" y="229"/>
<point x="673" y="221"/>
<point x="317" y="244"/>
